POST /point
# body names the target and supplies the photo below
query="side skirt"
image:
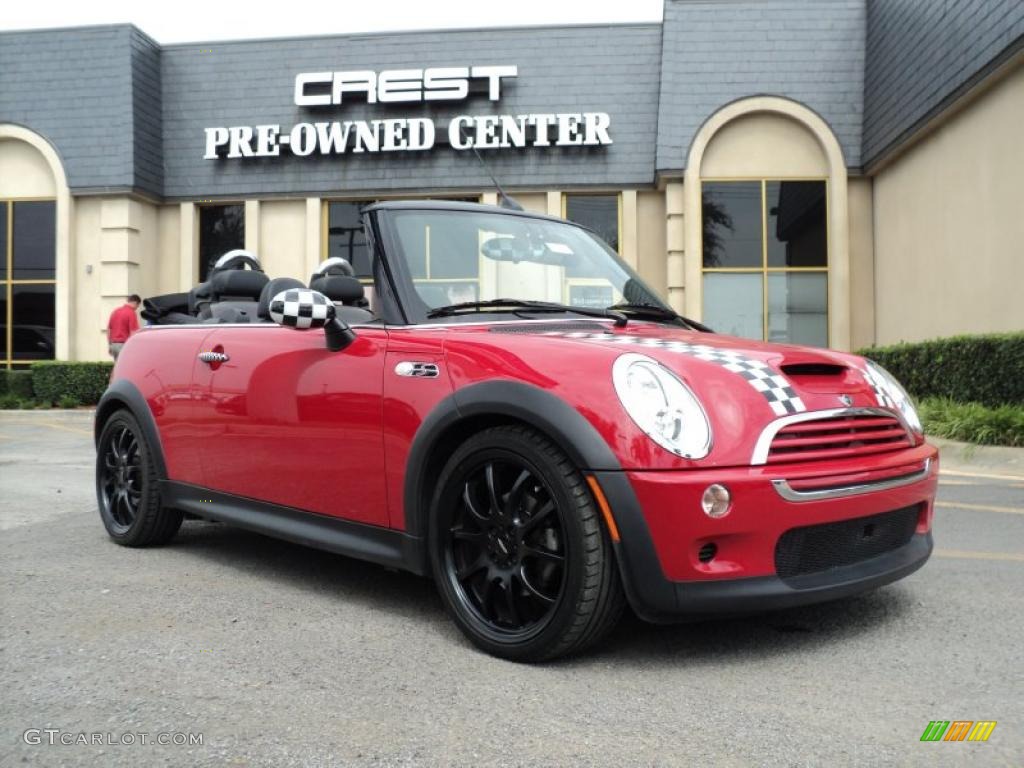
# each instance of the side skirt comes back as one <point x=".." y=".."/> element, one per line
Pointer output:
<point x="390" y="548"/>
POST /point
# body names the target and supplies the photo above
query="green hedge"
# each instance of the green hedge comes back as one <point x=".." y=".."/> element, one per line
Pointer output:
<point x="54" y="382"/>
<point x="987" y="369"/>
<point x="17" y="383"/>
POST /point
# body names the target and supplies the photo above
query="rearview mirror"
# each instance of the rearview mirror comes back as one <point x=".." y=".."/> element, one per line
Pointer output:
<point x="517" y="249"/>
<point x="303" y="309"/>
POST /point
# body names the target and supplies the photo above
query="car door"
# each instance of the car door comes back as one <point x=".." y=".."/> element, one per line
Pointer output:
<point x="289" y="422"/>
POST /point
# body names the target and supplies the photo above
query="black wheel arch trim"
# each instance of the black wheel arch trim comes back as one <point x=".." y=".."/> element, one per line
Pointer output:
<point x="123" y="394"/>
<point x="644" y="582"/>
<point x="500" y="398"/>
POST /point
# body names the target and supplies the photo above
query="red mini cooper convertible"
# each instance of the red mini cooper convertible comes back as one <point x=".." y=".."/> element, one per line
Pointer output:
<point x="495" y="400"/>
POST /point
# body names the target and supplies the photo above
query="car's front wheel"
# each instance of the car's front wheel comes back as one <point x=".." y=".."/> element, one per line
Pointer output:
<point x="128" y="486"/>
<point x="518" y="549"/>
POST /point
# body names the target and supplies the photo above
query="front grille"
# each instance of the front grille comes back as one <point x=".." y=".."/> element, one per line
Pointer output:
<point x="838" y="437"/>
<point x="819" y="548"/>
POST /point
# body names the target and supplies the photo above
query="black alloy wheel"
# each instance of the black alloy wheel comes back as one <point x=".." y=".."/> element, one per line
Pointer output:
<point x="128" y="486"/>
<point x="518" y="548"/>
<point x="506" y="548"/>
<point x="120" y="482"/>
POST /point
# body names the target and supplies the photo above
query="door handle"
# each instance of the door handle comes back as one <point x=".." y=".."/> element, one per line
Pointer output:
<point x="214" y="357"/>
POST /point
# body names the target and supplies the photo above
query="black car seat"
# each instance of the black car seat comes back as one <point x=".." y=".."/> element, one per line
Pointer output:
<point x="238" y="285"/>
<point x="338" y="267"/>
<point x="235" y="295"/>
<point x="347" y="294"/>
<point x="335" y="279"/>
<point x="202" y="297"/>
<point x="270" y="290"/>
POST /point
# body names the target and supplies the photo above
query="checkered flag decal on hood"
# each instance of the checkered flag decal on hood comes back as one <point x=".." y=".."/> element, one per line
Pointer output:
<point x="775" y="388"/>
<point x="876" y="384"/>
<point x="301" y="308"/>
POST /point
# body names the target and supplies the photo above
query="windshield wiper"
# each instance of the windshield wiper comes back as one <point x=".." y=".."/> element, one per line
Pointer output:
<point x="659" y="313"/>
<point x="533" y="306"/>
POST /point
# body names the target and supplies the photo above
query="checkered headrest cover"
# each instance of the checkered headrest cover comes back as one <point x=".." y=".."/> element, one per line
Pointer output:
<point x="301" y="308"/>
<point x="775" y="388"/>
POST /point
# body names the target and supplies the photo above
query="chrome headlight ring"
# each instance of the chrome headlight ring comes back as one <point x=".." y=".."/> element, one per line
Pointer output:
<point x="662" y="406"/>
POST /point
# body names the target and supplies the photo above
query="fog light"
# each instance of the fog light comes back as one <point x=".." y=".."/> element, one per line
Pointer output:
<point x="716" y="500"/>
<point x="707" y="552"/>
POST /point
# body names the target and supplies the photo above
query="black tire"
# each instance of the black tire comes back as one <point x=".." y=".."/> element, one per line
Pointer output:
<point x="128" y="487"/>
<point x="533" y="576"/>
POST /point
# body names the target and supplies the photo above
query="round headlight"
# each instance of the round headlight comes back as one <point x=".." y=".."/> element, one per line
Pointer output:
<point x="662" y="406"/>
<point x="888" y="384"/>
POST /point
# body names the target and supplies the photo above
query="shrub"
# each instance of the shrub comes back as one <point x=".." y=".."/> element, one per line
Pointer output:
<point x="973" y="422"/>
<point x="68" y="401"/>
<point x="84" y="382"/>
<point x="15" y="403"/>
<point x="19" y="384"/>
<point x="986" y="369"/>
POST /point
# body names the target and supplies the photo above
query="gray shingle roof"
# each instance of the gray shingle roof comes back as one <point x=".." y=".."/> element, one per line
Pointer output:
<point x="127" y="114"/>
<point x="717" y="52"/>
<point x="74" y="87"/>
<point x="921" y="53"/>
<point x="611" y="69"/>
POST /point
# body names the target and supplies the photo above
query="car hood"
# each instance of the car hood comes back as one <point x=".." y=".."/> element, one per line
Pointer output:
<point x="744" y="385"/>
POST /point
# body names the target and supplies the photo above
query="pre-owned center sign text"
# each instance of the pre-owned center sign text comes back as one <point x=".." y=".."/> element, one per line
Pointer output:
<point x="394" y="134"/>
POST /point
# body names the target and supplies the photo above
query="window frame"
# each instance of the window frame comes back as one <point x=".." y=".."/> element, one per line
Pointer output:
<point x="8" y="282"/>
<point x="325" y="221"/>
<point x="199" y="229"/>
<point x="571" y="282"/>
<point x="764" y="269"/>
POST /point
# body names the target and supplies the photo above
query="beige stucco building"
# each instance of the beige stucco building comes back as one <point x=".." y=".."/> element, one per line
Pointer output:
<point x="839" y="211"/>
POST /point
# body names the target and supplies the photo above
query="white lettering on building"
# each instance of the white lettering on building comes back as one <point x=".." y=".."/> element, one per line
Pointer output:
<point x="390" y="86"/>
<point x="564" y="129"/>
<point x="406" y="134"/>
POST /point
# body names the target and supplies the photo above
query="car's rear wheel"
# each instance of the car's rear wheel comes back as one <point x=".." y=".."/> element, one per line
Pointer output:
<point x="518" y="549"/>
<point x="128" y="486"/>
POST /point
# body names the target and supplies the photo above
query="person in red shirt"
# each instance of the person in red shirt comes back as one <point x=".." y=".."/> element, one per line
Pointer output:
<point x="122" y="324"/>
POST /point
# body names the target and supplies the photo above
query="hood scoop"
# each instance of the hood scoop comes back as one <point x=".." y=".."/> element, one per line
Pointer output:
<point x="812" y="369"/>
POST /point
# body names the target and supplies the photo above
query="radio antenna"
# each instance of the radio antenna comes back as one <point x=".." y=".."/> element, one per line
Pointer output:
<point x="505" y="200"/>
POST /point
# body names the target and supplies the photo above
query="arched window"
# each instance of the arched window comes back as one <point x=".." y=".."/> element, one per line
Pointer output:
<point x="28" y="255"/>
<point x="766" y="240"/>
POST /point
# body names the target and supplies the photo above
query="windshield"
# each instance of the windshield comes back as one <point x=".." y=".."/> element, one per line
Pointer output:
<point x="460" y="257"/>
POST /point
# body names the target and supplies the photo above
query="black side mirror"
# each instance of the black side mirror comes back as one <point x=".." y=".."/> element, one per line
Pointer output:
<point x="302" y="309"/>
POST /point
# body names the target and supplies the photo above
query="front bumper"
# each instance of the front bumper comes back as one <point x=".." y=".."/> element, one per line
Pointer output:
<point x="662" y="530"/>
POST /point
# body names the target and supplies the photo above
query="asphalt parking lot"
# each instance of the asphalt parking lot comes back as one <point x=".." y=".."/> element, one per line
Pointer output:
<point x="280" y="655"/>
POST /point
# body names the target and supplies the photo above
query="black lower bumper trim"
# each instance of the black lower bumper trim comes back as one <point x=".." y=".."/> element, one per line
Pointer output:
<point x="655" y="598"/>
<point x="766" y="593"/>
